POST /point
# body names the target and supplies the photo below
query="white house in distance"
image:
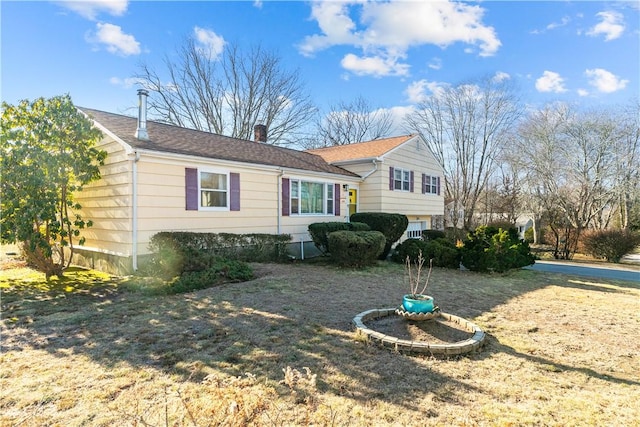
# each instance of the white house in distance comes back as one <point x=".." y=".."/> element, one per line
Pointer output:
<point x="158" y="177"/>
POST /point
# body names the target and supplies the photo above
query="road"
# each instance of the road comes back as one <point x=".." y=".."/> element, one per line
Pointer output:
<point x="611" y="271"/>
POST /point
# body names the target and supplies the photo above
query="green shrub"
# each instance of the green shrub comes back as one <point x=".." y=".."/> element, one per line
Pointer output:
<point x="504" y="224"/>
<point x="356" y="248"/>
<point x="220" y="271"/>
<point x="433" y="234"/>
<point x="176" y="252"/>
<point x="611" y="244"/>
<point x="442" y="251"/>
<point x="392" y="225"/>
<point x="528" y="235"/>
<point x="495" y="249"/>
<point x="455" y="234"/>
<point x="319" y="232"/>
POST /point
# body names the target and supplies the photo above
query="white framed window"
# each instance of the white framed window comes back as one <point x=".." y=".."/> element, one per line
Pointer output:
<point x="401" y="179"/>
<point x="431" y="185"/>
<point x="311" y="198"/>
<point x="213" y="190"/>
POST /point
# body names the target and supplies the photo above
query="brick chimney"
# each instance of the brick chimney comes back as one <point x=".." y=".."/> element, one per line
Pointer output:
<point x="260" y="133"/>
<point x="141" y="131"/>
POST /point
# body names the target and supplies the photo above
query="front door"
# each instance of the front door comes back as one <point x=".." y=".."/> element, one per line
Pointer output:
<point x="353" y="201"/>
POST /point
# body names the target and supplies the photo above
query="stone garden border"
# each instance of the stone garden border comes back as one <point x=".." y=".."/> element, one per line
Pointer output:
<point x="450" y="349"/>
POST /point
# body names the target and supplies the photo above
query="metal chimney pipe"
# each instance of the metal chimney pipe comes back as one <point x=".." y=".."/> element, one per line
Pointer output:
<point x="141" y="131"/>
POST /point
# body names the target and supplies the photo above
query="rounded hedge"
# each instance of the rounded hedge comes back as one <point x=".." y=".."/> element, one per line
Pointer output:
<point x="356" y="248"/>
<point x="443" y="252"/>
<point x="392" y="225"/>
<point x="319" y="232"/>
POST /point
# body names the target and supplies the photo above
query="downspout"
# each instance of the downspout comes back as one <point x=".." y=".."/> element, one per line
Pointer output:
<point x="279" y="204"/>
<point x="143" y="135"/>
<point x="134" y="213"/>
<point x="375" y="168"/>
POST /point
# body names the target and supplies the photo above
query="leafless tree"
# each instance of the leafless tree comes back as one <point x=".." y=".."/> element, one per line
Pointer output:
<point x="465" y="126"/>
<point x="627" y="177"/>
<point x="230" y="94"/>
<point x="502" y="200"/>
<point x="540" y="146"/>
<point x="571" y="169"/>
<point x="349" y="122"/>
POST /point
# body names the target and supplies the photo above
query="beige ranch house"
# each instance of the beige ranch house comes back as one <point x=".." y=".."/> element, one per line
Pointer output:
<point x="160" y="177"/>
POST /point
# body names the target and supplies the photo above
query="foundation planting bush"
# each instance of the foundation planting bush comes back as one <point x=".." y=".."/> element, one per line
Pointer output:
<point x="433" y="234"/>
<point x="611" y="244"/>
<point x="442" y="251"/>
<point x="219" y="271"/>
<point x="356" y="248"/>
<point x="176" y="252"/>
<point x="491" y="248"/>
<point x="319" y="232"/>
<point x="392" y="225"/>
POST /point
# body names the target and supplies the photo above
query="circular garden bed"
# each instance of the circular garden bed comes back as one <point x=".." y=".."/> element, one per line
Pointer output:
<point x="446" y="334"/>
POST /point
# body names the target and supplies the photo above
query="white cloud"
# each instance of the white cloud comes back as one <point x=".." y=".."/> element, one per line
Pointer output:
<point x="417" y="91"/>
<point x="550" y="82"/>
<point x="115" y="40"/>
<point x="91" y="8"/>
<point x="552" y="26"/>
<point x="398" y="114"/>
<point x="564" y="21"/>
<point x="376" y="66"/>
<point x="501" y="76"/>
<point x="605" y="81"/>
<point x="210" y="44"/>
<point x="387" y="30"/>
<point x="127" y="82"/>
<point x="583" y="92"/>
<point x="612" y="26"/>
<point x="435" y="64"/>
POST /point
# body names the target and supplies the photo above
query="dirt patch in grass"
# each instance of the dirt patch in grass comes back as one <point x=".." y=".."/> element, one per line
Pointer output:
<point x="433" y="331"/>
<point x="281" y="350"/>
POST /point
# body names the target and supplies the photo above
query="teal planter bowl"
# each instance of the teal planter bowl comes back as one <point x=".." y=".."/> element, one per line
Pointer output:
<point x="417" y="303"/>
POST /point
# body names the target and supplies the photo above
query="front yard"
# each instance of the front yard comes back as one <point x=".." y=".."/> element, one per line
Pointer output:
<point x="281" y="350"/>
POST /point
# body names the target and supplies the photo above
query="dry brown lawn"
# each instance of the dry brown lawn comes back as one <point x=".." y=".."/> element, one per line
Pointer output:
<point x="281" y="350"/>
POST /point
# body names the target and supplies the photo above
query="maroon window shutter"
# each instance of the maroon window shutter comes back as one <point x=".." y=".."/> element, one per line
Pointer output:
<point x="336" y="200"/>
<point x="285" y="196"/>
<point x="234" y="185"/>
<point x="391" y="178"/>
<point x="438" y="186"/>
<point x="424" y="183"/>
<point x="411" y="181"/>
<point x="191" y="188"/>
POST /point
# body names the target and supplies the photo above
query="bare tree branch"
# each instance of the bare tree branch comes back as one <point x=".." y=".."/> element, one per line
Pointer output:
<point x="465" y="126"/>
<point x="349" y="122"/>
<point x="229" y="95"/>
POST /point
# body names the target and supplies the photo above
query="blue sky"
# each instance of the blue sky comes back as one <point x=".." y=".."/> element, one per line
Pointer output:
<point x="391" y="53"/>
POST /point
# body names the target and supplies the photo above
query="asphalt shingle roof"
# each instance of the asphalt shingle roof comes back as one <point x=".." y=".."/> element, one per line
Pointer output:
<point x="174" y="139"/>
<point x="361" y="150"/>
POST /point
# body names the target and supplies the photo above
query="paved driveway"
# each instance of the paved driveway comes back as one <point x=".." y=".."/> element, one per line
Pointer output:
<point x="611" y="271"/>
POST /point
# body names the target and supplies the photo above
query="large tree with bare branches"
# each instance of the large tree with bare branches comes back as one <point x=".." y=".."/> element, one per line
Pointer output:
<point x="573" y="169"/>
<point x="627" y="176"/>
<point x="465" y="126"/>
<point x="350" y="121"/>
<point x="228" y="94"/>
